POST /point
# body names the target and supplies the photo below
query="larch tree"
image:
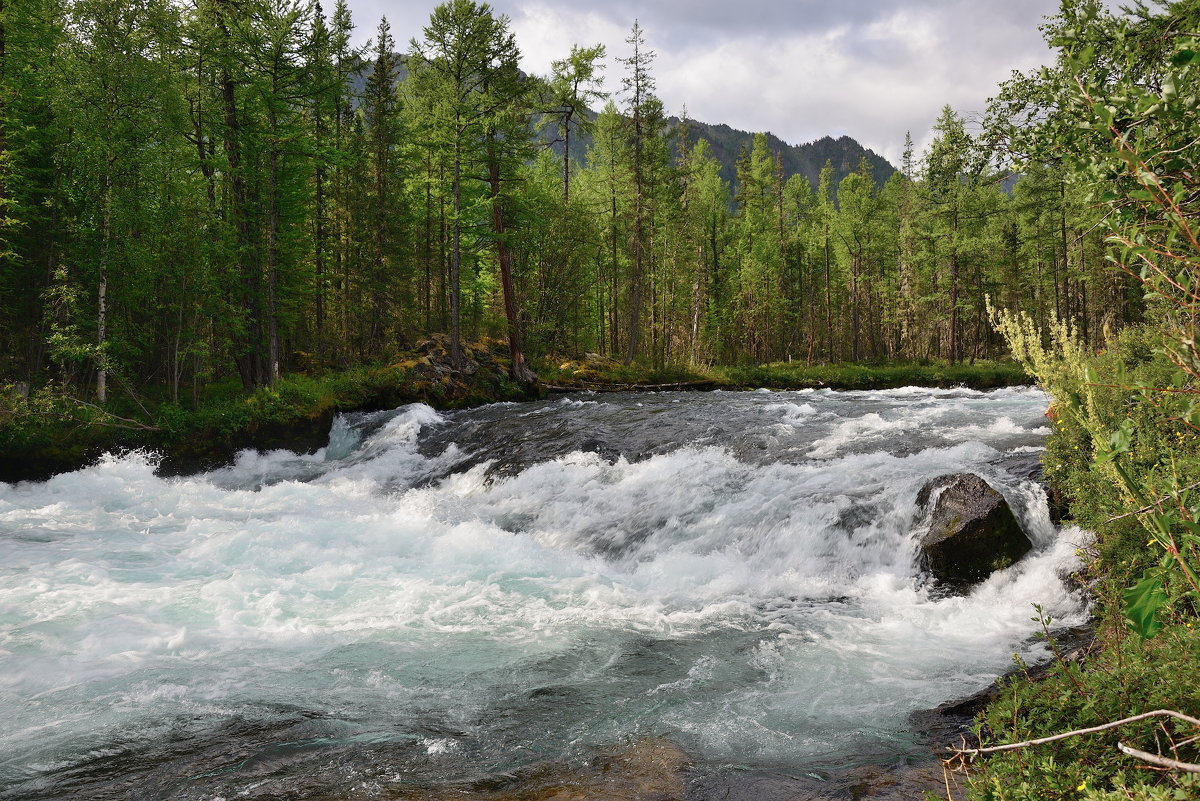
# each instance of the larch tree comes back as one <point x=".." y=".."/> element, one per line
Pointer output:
<point x="382" y="118"/>
<point x="281" y="83"/>
<point x="644" y="113"/>
<point x="574" y="85"/>
<point x="946" y="165"/>
<point x="465" y="72"/>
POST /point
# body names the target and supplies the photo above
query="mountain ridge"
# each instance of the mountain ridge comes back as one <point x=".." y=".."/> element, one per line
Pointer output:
<point x="805" y="159"/>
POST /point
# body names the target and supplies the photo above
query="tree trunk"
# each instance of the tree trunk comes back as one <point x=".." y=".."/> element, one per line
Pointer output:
<point x="566" y="160"/>
<point x="456" y="261"/>
<point x="954" y="337"/>
<point x="102" y="292"/>
<point x="273" y="371"/>
<point x="635" y="292"/>
<point x="247" y="353"/>
<point x="954" y="307"/>
<point x="614" y="312"/>
<point x="520" y="370"/>
<point x="428" y="250"/>
<point x="828" y="303"/>
<point x="319" y="236"/>
<point x="700" y="260"/>
<point x="855" y="264"/>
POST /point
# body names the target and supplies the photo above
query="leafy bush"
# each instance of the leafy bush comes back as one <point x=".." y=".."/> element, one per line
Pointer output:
<point x="1128" y="677"/>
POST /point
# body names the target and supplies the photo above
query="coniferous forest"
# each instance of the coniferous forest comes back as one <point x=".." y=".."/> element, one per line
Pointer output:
<point x="193" y="192"/>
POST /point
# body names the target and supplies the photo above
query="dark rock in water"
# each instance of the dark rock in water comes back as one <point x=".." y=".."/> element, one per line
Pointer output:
<point x="972" y="530"/>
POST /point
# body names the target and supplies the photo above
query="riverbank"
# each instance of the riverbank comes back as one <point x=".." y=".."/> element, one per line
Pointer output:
<point x="1124" y="454"/>
<point x="598" y="374"/>
<point x="48" y="432"/>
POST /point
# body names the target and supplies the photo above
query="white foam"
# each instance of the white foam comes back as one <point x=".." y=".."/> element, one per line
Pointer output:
<point x="871" y="427"/>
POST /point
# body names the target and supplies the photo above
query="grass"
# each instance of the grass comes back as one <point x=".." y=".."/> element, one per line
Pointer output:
<point x="782" y="375"/>
<point x="787" y="375"/>
<point x="52" y="432"/>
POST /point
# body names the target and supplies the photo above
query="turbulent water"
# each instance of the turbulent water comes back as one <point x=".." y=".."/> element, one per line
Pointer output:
<point x="440" y="597"/>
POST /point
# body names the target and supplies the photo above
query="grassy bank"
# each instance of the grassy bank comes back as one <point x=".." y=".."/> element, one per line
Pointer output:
<point x="601" y="373"/>
<point x="50" y="432"/>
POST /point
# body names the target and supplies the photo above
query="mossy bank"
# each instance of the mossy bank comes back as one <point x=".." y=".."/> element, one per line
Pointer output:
<point x="47" y="433"/>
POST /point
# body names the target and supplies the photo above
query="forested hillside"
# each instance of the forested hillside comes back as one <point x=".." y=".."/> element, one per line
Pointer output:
<point x="198" y="191"/>
<point x="843" y="154"/>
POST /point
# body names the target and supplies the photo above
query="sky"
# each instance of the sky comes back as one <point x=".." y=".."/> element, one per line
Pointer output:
<point x="801" y="69"/>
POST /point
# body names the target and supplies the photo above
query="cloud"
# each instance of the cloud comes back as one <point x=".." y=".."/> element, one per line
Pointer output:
<point x="871" y="69"/>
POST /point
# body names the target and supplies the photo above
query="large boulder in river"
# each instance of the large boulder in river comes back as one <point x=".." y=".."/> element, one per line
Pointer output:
<point x="972" y="530"/>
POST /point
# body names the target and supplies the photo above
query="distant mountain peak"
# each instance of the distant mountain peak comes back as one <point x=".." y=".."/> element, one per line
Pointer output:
<point x="807" y="159"/>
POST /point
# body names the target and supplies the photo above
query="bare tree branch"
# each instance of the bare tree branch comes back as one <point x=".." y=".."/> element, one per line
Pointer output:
<point x="962" y="752"/>
<point x="1160" y="761"/>
<point x="131" y="424"/>
<point x="1153" y="505"/>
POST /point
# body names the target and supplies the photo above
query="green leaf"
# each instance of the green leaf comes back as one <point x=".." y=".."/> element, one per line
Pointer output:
<point x="1142" y="602"/>
<point x="1169" y="89"/>
<point x="1184" y="57"/>
<point x="1118" y="442"/>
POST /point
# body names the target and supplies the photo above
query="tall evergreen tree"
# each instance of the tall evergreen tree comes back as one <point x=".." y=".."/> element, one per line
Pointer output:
<point x="465" y="71"/>
<point x="645" y="115"/>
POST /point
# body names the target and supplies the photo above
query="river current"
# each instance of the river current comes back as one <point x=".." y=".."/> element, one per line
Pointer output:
<point x="449" y="597"/>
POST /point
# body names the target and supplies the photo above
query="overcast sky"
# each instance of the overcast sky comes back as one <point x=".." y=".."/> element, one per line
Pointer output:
<point x="801" y="69"/>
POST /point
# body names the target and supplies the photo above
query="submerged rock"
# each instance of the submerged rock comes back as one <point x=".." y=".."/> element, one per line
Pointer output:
<point x="649" y="769"/>
<point x="972" y="531"/>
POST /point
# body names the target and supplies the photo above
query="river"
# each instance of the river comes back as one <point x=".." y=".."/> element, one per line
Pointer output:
<point x="448" y="598"/>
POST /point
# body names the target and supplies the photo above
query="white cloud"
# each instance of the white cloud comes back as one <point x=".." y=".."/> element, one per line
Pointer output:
<point x="546" y="33"/>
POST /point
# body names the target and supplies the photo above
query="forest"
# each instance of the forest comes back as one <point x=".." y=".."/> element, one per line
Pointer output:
<point x="197" y="192"/>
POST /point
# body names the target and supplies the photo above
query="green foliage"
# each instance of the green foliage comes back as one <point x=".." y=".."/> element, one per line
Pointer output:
<point x="256" y="197"/>
<point x="980" y="375"/>
<point x="785" y="376"/>
<point x="614" y="373"/>
<point x="1143" y="601"/>
<point x="50" y="430"/>
<point x="1128" y="677"/>
<point x="1125" y="442"/>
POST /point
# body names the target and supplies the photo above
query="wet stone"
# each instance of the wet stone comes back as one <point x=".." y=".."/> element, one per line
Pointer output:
<point x="972" y="531"/>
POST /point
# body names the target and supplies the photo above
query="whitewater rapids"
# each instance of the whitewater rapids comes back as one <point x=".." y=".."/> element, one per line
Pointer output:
<point x="439" y="596"/>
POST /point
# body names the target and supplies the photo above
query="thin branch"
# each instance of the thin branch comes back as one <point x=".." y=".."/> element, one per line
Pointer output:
<point x="946" y="778"/>
<point x="1093" y="730"/>
<point x="132" y="424"/>
<point x="1182" y="743"/>
<point x="1154" y="504"/>
<point x="1160" y="761"/>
